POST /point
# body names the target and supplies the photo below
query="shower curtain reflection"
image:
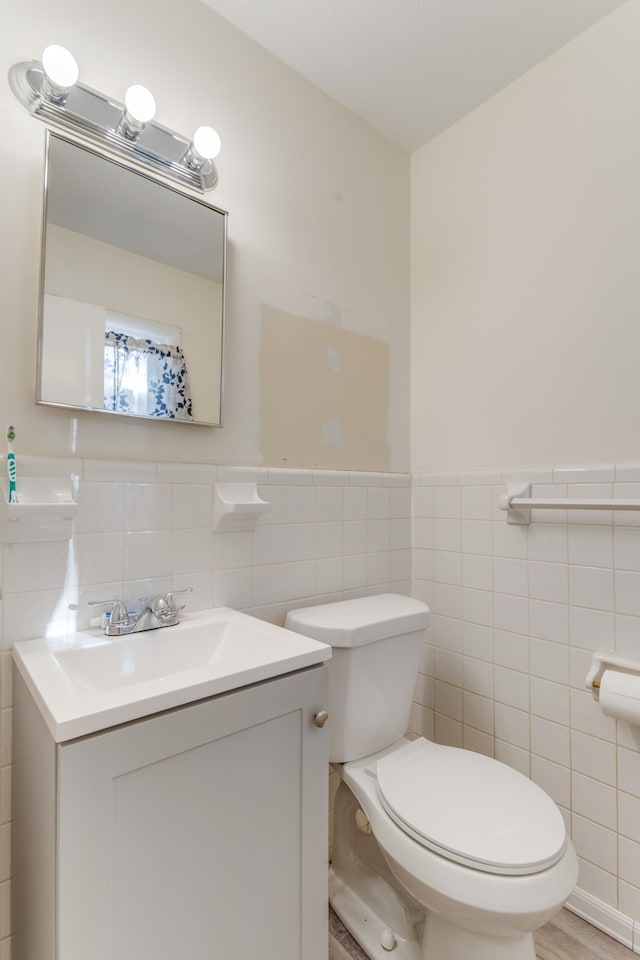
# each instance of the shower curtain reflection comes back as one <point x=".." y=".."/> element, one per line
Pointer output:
<point x="145" y="378"/>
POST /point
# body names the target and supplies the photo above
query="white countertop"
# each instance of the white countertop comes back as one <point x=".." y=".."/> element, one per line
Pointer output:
<point x="86" y="682"/>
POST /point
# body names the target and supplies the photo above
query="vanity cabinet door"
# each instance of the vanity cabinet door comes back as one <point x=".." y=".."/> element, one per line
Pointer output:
<point x="200" y="833"/>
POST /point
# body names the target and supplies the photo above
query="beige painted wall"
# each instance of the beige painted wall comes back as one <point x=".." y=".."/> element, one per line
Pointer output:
<point x="324" y="394"/>
<point x="525" y="341"/>
<point x="318" y="216"/>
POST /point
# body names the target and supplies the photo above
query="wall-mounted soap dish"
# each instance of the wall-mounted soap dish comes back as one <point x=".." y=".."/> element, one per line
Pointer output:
<point x="237" y="506"/>
<point x="45" y="510"/>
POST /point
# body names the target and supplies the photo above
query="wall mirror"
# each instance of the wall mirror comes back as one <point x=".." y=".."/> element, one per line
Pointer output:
<point x="131" y="292"/>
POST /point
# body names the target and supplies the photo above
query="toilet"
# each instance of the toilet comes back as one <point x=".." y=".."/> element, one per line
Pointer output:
<point x="439" y="853"/>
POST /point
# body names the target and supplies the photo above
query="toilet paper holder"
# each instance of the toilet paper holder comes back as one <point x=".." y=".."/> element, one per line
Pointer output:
<point x="602" y="661"/>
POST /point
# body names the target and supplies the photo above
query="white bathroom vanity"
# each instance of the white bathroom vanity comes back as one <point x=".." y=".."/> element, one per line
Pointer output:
<point x="164" y="812"/>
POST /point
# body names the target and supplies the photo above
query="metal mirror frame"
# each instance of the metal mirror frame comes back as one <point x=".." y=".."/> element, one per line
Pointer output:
<point x="136" y="170"/>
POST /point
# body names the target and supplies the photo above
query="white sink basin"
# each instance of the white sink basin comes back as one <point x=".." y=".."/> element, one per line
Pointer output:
<point x="86" y="682"/>
<point x="109" y="663"/>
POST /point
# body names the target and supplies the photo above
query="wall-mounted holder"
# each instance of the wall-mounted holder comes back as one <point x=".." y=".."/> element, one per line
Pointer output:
<point x="518" y="503"/>
<point x="602" y="661"/>
<point x="520" y="515"/>
<point x="45" y="510"/>
<point x="237" y="506"/>
<point x="614" y="682"/>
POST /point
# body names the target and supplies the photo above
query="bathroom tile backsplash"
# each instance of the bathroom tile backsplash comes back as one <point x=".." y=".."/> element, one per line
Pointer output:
<point x="517" y="613"/>
<point x="145" y="528"/>
<point x="517" y="610"/>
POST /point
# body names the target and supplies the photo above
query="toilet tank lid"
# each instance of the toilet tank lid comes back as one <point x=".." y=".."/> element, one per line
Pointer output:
<point x="352" y="623"/>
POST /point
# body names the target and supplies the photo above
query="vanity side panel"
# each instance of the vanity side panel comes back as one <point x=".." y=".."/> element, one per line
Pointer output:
<point x="33" y="831"/>
<point x="314" y="878"/>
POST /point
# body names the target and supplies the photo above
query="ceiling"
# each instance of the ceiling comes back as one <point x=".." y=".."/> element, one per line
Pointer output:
<point x="411" y="68"/>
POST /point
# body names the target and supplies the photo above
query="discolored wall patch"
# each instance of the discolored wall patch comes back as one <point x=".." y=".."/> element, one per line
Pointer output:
<point x="324" y="395"/>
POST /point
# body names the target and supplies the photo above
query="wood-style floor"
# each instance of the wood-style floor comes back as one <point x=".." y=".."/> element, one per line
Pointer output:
<point x="567" y="937"/>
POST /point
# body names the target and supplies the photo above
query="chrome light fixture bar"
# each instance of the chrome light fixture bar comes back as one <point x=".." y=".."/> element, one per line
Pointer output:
<point x="50" y="91"/>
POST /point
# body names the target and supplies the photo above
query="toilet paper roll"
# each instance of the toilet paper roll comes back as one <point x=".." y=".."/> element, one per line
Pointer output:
<point x="620" y="696"/>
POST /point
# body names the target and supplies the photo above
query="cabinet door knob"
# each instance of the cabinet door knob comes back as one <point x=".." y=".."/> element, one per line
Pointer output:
<point x="321" y="718"/>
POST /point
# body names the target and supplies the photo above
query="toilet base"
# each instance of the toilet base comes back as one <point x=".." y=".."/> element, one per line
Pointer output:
<point x="443" y="941"/>
<point x="365" y="926"/>
<point x="383" y="906"/>
<point x="365" y="894"/>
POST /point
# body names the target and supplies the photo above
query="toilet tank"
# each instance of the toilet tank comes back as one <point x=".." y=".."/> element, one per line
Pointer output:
<point x="377" y="645"/>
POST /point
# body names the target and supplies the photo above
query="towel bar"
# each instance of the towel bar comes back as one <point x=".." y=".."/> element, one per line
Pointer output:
<point x="518" y="503"/>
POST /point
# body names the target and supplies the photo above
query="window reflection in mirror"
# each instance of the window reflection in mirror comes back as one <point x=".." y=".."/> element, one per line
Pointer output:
<point x="132" y="292"/>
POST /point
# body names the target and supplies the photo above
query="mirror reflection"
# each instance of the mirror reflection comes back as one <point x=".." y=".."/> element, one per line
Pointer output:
<point x="132" y="292"/>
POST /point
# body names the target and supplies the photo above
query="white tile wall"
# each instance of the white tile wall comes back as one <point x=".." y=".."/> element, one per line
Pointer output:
<point x="147" y="527"/>
<point x="517" y="611"/>
<point x="513" y="638"/>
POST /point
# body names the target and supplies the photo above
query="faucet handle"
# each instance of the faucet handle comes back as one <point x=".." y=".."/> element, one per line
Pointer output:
<point x="170" y="601"/>
<point x="119" y="612"/>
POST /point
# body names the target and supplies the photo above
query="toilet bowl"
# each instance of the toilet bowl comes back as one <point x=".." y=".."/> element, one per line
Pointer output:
<point x="439" y="853"/>
<point x="482" y="910"/>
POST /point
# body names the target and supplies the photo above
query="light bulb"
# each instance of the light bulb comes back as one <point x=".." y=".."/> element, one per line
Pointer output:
<point x="60" y="66"/>
<point x="140" y="104"/>
<point x="60" y="72"/>
<point x="206" y="143"/>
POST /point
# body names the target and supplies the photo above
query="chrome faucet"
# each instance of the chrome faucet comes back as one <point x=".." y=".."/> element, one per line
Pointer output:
<point x="154" y="612"/>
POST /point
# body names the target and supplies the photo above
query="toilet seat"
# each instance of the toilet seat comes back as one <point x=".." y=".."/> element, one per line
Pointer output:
<point x="470" y="808"/>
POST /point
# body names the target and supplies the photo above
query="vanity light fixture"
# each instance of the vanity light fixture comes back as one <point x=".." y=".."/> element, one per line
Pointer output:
<point x="50" y="91"/>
